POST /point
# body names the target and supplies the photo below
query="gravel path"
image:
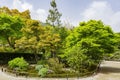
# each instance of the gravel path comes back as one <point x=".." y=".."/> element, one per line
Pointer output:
<point x="110" y="70"/>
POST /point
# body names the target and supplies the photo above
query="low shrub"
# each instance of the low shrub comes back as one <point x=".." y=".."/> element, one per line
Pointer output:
<point x="38" y="67"/>
<point x="55" y="65"/>
<point x="42" y="72"/>
<point x="18" y="64"/>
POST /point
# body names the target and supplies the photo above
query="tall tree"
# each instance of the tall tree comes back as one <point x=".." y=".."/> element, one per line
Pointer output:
<point x="53" y="18"/>
<point x="37" y="39"/>
<point x="10" y="28"/>
<point x="11" y="22"/>
<point x="90" y="40"/>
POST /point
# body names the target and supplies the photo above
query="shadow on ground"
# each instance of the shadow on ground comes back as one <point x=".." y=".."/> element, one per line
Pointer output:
<point x="107" y="70"/>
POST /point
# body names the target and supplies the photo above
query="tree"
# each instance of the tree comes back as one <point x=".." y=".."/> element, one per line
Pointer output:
<point x="79" y="61"/>
<point x="10" y="28"/>
<point x="116" y="54"/>
<point x="53" y="18"/>
<point x="15" y="12"/>
<point x="30" y="38"/>
<point x="50" y="41"/>
<point x="24" y="17"/>
<point x="93" y="38"/>
<point x="117" y="39"/>
<point x="37" y="39"/>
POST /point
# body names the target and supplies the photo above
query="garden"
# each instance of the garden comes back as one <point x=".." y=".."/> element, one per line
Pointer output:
<point x="64" y="52"/>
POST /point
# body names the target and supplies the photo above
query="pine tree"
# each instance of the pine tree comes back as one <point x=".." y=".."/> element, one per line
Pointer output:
<point x="54" y="16"/>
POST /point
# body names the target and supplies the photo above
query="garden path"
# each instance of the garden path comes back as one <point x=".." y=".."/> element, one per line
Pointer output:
<point x="110" y="70"/>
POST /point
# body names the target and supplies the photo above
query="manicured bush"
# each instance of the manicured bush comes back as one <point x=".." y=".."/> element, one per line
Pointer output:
<point x="42" y="72"/>
<point x="38" y="67"/>
<point x="55" y="65"/>
<point x="18" y="63"/>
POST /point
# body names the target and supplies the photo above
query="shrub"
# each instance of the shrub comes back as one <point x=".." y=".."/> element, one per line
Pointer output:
<point x="42" y="62"/>
<point x="38" y="67"/>
<point x="42" y="72"/>
<point x="18" y="63"/>
<point x="55" y="65"/>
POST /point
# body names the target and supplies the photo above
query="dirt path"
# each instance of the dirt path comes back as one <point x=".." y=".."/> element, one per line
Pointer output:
<point x="110" y="70"/>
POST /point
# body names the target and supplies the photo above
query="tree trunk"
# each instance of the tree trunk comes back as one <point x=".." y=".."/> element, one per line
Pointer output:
<point x="10" y="44"/>
<point x="36" y="57"/>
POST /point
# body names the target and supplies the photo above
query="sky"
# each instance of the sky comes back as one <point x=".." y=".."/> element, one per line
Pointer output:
<point x="73" y="11"/>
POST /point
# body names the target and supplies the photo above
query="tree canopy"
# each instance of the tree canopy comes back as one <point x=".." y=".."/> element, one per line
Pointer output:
<point x="10" y="28"/>
<point x="91" y="40"/>
<point x="80" y="48"/>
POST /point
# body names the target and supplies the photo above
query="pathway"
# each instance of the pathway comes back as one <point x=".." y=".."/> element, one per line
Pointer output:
<point x="110" y="70"/>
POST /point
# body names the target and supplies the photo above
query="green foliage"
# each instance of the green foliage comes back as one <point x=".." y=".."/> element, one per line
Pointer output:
<point x="117" y="39"/>
<point x="79" y="61"/>
<point x="37" y="38"/>
<point x="15" y="12"/>
<point x="30" y="37"/>
<point x="114" y="56"/>
<point x="38" y="67"/>
<point x="18" y="63"/>
<point x="42" y="62"/>
<point x="93" y="37"/>
<point x="83" y="47"/>
<point x="55" y="65"/>
<point x="53" y="18"/>
<point x="10" y="28"/>
<point x="63" y="33"/>
<point x="88" y="43"/>
<point x="42" y="72"/>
